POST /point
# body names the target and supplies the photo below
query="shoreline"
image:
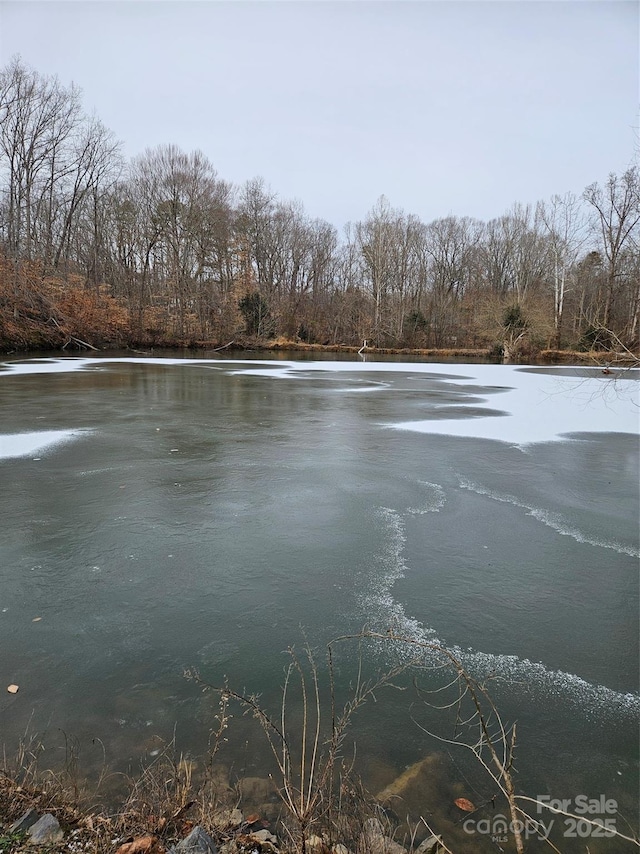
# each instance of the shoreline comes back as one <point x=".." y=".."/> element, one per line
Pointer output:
<point x="483" y="355"/>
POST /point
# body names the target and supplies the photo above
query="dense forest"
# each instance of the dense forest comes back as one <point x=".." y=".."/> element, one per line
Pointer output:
<point x="161" y="251"/>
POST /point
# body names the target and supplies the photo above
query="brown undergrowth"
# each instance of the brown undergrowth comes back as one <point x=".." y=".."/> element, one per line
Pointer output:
<point x="165" y="800"/>
<point x="40" y="312"/>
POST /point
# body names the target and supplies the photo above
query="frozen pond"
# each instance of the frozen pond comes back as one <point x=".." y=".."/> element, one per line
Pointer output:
<point x="166" y="513"/>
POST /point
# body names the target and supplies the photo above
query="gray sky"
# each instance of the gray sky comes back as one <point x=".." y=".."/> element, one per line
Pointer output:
<point x="444" y="106"/>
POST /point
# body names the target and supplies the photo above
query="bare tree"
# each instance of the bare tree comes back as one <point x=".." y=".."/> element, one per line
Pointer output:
<point x="616" y="219"/>
<point x="94" y="166"/>
<point x="515" y="253"/>
<point x="255" y="211"/>
<point x="388" y="242"/>
<point x="39" y="116"/>
<point x="451" y="246"/>
<point x="566" y="234"/>
<point x="375" y="237"/>
<point x="179" y="200"/>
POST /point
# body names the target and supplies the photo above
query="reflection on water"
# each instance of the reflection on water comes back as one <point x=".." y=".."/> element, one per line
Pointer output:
<point x="200" y="513"/>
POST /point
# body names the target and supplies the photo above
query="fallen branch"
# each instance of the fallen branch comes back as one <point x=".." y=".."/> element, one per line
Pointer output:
<point x="80" y="344"/>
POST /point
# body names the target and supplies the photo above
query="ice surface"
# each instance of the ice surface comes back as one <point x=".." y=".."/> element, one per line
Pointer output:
<point x="540" y="405"/>
<point x="14" y="445"/>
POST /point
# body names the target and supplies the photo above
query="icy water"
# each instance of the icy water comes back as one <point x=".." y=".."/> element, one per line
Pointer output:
<point x="160" y="514"/>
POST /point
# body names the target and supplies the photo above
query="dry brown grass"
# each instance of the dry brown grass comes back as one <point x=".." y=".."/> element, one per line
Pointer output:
<point x="166" y="798"/>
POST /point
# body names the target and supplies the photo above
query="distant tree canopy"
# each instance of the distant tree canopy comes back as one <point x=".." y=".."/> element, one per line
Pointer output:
<point x="191" y="257"/>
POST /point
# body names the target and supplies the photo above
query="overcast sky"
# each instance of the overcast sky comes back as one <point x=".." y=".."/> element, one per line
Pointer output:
<point x="444" y="106"/>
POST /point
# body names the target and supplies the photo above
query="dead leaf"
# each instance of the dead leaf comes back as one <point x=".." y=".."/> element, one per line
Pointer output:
<point x="253" y="818"/>
<point x="13" y="689"/>
<point x="464" y="804"/>
<point x="142" y="845"/>
<point x="180" y="812"/>
<point x="36" y="619"/>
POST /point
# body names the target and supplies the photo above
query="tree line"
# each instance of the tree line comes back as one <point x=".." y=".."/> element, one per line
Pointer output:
<point x="191" y="257"/>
